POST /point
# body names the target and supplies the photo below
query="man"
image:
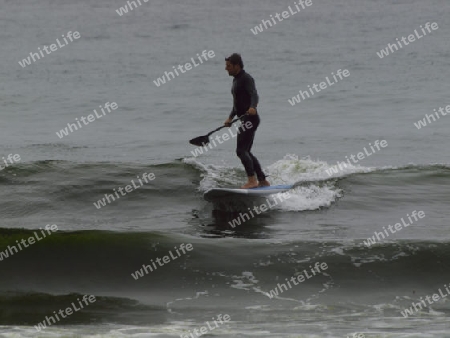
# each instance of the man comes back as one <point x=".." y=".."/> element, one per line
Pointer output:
<point x="245" y="101"/>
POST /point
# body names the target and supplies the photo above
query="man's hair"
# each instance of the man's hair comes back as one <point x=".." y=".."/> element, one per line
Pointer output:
<point x="235" y="59"/>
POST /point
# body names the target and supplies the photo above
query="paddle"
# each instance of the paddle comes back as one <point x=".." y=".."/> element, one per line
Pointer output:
<point x="204" y="140"/>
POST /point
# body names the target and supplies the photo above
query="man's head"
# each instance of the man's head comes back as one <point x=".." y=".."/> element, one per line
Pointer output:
<point x="234" y="64"/>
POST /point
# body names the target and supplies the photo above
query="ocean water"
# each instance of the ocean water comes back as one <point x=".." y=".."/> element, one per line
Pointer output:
<point x="243" y="271"/>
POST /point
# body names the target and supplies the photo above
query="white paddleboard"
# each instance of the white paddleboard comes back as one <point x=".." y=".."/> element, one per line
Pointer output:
<point x="255" y="192"/>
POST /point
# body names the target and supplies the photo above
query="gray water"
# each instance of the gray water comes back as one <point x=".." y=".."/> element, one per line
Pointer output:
<point x="116" y="59"/>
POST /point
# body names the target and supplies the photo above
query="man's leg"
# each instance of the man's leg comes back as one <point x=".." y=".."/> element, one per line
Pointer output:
<point x="256" y="166"/>
<point x="259" y="173"/>
<point x="250" y="162"/>
<point x="244" y="144"/>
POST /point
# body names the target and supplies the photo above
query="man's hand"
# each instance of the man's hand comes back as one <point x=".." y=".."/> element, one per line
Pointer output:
<point x="228" y="122"/>
<point x="251" y="111"/>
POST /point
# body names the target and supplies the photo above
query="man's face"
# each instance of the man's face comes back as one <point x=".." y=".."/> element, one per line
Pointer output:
<point x="232" y="70"/>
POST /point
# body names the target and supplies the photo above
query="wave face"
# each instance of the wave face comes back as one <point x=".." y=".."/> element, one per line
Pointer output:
<point x="245" y="269"/>
<point x="102" y="263"/>
<point x="50" y="187"/>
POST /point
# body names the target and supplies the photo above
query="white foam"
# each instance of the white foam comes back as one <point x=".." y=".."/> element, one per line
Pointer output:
<point x="292" y="169"/>
<point x="321" y="192"/>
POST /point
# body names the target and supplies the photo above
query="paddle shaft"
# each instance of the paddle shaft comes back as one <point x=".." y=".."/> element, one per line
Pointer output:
<point x="202" y="140"/>
<point x="235" y="120"/>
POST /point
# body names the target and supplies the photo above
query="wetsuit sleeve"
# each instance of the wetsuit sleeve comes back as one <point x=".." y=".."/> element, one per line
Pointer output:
<point x="251" y="90"/>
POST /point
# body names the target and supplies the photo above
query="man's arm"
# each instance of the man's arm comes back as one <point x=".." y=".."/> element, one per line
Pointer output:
<point x="232" y="114"/>
<point x="250" y="88"/>
<point x="230" y="118"/>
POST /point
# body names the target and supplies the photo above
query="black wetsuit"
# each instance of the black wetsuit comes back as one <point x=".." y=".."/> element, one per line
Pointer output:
<point x="245" y="96"/>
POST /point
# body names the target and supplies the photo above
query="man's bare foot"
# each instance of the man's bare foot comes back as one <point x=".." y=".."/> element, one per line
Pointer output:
<point x="251" y="183"/>
<point x="264" y="183"/>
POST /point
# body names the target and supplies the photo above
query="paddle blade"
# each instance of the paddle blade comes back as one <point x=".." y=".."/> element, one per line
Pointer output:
<point x="200" y="141"/>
